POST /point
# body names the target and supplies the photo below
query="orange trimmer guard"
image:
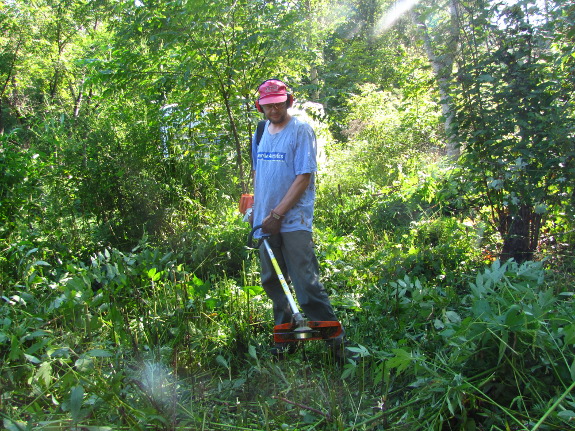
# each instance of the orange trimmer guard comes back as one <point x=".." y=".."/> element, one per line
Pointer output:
<point x="315" y="330"/>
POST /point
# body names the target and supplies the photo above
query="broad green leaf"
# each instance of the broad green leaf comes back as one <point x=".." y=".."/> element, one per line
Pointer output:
<point x="99" y="353"/>
<point x="349" y="369"/>
<point x="252" y="351"/>
<point x="44" y="373"/>
<point x="32" y="359"/>
<point x="154" y="274"/>
<point x="481" y="309"/>
<point x="567" y="415"/>
<point x="37" y="333"/>
<point x="447" y="333"/>
<point x="569" y="333"/>
<point x="453" y="316"/>
<point x="361" y="350"/>
<point x="514" y="316"/>
<point x="400" y="361"/>
<point x="221" y="360"/>
<point x="15" y="348"/>
<point x="31" y="251"/>
<point x="13" y="425"/>
<point x="84" y="364"/>
<point x="253" y="290"/>
<point x="76" y="400"/>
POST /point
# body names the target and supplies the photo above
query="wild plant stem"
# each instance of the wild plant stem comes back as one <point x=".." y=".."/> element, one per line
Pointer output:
<point x="303" y="406"/>
<point x="553" y="407"/>
<point x="383" y="413"/>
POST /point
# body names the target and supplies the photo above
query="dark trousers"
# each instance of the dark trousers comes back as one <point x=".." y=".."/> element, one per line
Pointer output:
<point x="294" y="252"/>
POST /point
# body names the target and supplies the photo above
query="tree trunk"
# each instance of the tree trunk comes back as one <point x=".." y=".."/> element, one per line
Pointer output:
<point x="9" y="76"/>
<point x="1" y="118"/>
<point x="315" y="81"/>
<point x="237" y="140"/>
<point x="78" y="98"/>
<point x="520" y="234"/>
<point x="442" y="65"/>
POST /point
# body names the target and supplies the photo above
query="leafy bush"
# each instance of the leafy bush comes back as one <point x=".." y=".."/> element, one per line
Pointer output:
<point x="387" y="210"/>
<point x="18" y="180"/>
<point x="73" y="337"/>
<point x="388" y="136"/>
<point x="441" y="249"/>
<point x="502" y="353"/>
<point x="403" y="233"/>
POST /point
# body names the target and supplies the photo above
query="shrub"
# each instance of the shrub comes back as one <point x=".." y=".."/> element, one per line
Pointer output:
<point x="502" y="353"/>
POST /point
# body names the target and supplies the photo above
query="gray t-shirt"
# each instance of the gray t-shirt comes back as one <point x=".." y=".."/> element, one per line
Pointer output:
<point x="277" y="160"/>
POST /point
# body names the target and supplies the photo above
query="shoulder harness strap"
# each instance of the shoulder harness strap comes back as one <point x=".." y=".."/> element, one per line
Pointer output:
<point x="260" y="131"/>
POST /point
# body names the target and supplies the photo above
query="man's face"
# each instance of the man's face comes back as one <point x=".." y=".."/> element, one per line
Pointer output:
<point x="276" y="112"/>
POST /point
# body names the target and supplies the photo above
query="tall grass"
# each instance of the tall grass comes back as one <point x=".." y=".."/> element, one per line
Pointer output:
<point x="135" y="341"/>
<point x="177" y="337"/>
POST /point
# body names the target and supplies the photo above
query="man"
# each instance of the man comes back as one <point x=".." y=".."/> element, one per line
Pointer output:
<point x="284" y="164"/>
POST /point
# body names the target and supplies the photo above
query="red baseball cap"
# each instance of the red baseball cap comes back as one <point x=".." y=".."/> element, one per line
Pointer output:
<point x="272" y="91"/>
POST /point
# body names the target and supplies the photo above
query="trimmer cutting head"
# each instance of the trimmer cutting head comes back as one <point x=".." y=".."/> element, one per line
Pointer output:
<point x="313" y="330"/>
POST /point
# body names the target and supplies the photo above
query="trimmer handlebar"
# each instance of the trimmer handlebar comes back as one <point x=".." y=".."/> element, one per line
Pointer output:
<point x="251" y="237"/>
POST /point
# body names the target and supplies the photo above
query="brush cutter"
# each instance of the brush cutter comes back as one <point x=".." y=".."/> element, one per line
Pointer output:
<point x="299" y="329"/>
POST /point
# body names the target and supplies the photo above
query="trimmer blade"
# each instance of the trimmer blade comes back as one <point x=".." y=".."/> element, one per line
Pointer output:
<point x="315" y="330"/>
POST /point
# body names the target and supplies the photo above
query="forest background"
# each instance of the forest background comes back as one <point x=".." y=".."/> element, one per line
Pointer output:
<point x="444" y="219"/>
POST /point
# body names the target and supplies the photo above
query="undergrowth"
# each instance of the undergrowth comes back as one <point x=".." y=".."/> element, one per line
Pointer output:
<point x="449" y="338"/>
<point x="135" y="341"/>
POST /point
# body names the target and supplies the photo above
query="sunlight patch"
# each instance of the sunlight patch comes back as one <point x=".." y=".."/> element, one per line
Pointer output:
<point x="158" y="383"/>
<point x="393" y="14"/>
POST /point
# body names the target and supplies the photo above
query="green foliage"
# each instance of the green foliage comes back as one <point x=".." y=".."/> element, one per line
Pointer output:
<point x="388" y="135"/>
<point x="127" y="297"/>
<point x="358" y="50"/>
<point x="89" y="337"/>
<point x="441" y="249"/>
<point x="377" y="183"/>
<point x="498" y="354"/>
<point x="514" y="120"/>
<point x="212" y="56"/>
<point x="140" y="331"/>
<point x="19" y="174"/>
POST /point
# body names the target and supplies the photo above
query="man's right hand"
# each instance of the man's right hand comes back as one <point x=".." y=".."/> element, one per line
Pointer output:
<point x="271" y="225"/>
